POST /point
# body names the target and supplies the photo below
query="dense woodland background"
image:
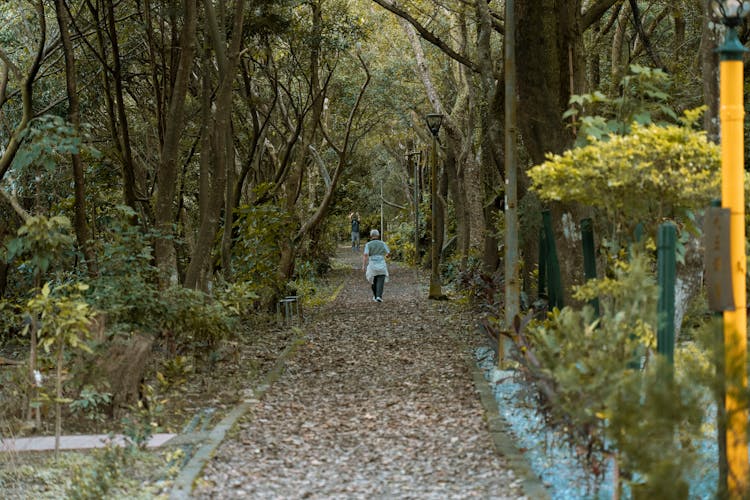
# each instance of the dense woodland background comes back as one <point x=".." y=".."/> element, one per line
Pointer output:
<point x="172" y="167"/>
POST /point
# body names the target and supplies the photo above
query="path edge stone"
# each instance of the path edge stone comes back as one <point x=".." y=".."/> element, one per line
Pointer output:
<point x="504" y="445"/>
<point x="183" y="485"/>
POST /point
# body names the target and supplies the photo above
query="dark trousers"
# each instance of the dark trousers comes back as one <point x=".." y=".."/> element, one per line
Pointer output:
<point x="377" y="285"/>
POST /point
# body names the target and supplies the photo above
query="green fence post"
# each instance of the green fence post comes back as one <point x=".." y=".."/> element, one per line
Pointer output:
<point x="589" y="257"/>
<point x="553" y="265"/>
<point x="666" y="275"/>
<point x="541" y="289"/>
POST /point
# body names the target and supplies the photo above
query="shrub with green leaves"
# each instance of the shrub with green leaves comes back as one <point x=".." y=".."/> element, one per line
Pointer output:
<point x="260" y="233"/>
<point x="41" y="242"/>
<point x="143" y="420"/>
<point x="63" y="323"/>
<point x="92" y="482"/>
<point x="650" y="174"/>
<point x="126" y="285"/>
<point x="91" y="403"/>
<point x="602" y="395"/>
<point x="194" y="318"/>
<point x="401" y="243"/>
<point x="643" y="98"/>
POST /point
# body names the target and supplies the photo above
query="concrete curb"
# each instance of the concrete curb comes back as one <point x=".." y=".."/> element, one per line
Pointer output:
<point x="183" y="484"/>
<point x="504" y="444"/>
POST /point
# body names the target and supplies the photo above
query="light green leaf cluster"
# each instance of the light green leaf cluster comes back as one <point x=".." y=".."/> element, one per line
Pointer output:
<point x="643" y="99"/>
<point x="651" y="173"/>
<point x="64" y="316"/>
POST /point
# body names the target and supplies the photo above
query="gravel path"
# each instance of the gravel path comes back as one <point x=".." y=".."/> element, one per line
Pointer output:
<point x="378" y="403"/>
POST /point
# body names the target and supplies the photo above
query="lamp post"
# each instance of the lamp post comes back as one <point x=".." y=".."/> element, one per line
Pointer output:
<point x="409" y="156"/>
<point x="731" y="52"/>
<point x="434" y="121"/>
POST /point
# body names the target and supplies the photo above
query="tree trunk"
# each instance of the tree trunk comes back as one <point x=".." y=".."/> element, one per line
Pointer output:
<point x="551" y="67"/>
<point x="211" y="182"/>
<point x="80" y="224"/>
<point x="26" y="83"/>
<point x="164" y="251"/>
<point x="709" y="59"/>
<point x="128" y="170"/>
<point x="491" y="112"/>
<point x="460" y="204"/>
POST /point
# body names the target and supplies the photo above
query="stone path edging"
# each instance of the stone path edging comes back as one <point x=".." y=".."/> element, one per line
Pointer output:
<point x="504" y="444"/>
<point x="183" y="484"/>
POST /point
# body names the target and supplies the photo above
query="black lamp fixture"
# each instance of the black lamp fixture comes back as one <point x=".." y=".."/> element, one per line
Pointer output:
<point x="434" y="120"/>
<point x="730" y="12"/>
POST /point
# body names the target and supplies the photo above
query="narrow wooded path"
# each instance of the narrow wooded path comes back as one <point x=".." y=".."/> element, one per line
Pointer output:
<point x="378" y="403"/>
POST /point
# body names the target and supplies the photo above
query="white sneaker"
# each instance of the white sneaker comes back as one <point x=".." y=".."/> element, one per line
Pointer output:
<point x="378" y="299"/>
<point x="374" y="299"/>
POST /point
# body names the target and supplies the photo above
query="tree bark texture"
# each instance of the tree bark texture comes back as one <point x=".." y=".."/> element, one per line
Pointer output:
<point x="71" y="79"/>
<point x="27" y="90"/>
<point x="164" y="251"/>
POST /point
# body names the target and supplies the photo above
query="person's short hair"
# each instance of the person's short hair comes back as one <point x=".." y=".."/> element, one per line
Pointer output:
<point x="374" y="233"/>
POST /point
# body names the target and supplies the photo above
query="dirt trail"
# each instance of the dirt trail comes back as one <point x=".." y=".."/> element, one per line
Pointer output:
<point x="378" y="403"/>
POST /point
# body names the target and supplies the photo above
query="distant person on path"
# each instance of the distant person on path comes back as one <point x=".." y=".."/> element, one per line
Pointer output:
<point x="354" y="216"/>
<point x="373" y="260"/>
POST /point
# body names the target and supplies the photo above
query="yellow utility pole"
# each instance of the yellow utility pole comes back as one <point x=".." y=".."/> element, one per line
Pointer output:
<point x="732" y="114"/>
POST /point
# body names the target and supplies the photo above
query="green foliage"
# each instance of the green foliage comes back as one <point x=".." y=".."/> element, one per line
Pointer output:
<point x="482" y="289"/>
<point x="305" y="282"/>
<point x="143" y="420"/>
<point x="96" y="482"/>
<point x="644" y="99"/>
<point x="237" y="298"/>
<point x="91" y="403"/>
<point x="194" y="318"/>
<point x="42" y="241"/>
<point x="652" y="173"/>
<point x="601" y="396"/>
<point x="39" y="168"/>
<point x="10" y="318"/>
<point x="125" y="287"/>
<point x="44" y="139"/>
<point x="64" y="317"/>
<point x="261" y="232"/>
<point x="175" y="372"/>
<point x="401" y="242"/>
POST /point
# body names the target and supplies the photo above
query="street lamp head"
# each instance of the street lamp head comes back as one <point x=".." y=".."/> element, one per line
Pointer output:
<point x="434" y="120"/>
<point x="730" y="12"/>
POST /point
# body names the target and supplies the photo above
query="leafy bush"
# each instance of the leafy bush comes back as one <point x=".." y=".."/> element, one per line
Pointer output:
<point x="239" y="299"/>
<point x="194" y="318"/>
<point x="143" y="420"/>
<point x="91" y="403"/>
<point x="673" y="169"/>
<point x="482" y="289"/>
<point x="401" y="242"/>
<point x="41" y="242"/>
<point x="93" y="483"/>
<point x="260" y="233"/>
<point x="643" y="98"/>
<point x="125" y="287"/>
<point x="590" y="371"/>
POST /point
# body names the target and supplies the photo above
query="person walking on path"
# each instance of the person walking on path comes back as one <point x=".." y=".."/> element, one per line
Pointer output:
<point x="373" y="262"/>
<point x="354" y="216"/>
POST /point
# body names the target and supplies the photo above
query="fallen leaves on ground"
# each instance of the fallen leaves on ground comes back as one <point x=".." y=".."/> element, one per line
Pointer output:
<point x="378" y="403"/>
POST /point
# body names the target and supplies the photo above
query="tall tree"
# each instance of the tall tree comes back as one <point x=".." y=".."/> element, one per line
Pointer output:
<point x="71" y="79"/>
<point x="164" y="213"/>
